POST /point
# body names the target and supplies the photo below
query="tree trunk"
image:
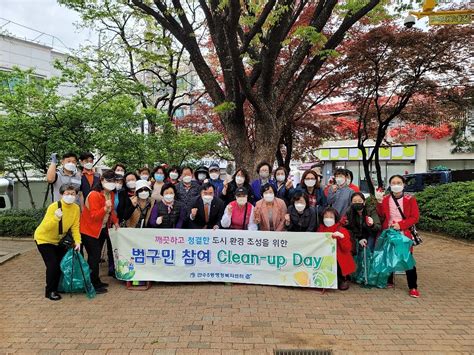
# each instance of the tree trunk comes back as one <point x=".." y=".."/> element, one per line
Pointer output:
<point x="45" y="200"/>
<point x="378" y="169"/>
<point x="366" y="164"/>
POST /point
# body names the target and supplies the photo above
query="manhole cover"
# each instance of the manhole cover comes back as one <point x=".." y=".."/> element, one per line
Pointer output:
<point x="303" y="352"/>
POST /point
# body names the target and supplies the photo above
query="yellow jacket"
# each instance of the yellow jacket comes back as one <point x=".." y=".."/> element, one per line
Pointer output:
<point x="48" y="231"/>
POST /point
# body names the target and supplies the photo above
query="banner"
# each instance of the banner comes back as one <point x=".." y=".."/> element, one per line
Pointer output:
<point x="201" y="255"/>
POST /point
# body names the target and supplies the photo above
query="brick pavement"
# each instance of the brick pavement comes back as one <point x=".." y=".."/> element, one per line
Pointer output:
<point x="220" y="319"/>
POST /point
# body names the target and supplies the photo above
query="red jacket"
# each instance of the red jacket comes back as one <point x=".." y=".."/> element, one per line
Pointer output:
<point x="410" y="210"/>
<point x="344" y="248"/>
<point x="93" y="214"/>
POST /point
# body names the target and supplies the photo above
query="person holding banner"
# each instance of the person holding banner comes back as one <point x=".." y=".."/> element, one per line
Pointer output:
<point x="345" y="262"/>
<point x="97" y="217"/>
<point x="143" y="206"/>
<point x="207" y="210"/>
<point x="270" y="211"/>
<point x="239" y="214"/>
<point x="240" y="179"/>
<point x="400" y="212"/>
<point x="168" y="213"/>
<point x="301" y="217"/>
<point x="47" y="236"/>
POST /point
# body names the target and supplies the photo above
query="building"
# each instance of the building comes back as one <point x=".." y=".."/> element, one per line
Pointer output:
<point x="412" y="157"/>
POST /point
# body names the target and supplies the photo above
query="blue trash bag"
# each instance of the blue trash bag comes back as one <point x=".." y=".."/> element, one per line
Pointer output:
<point x="391" y="254"/>
<point x="75" y="275"/>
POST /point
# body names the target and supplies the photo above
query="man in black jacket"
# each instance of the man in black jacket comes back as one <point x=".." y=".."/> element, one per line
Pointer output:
<point x="207" y="210"/>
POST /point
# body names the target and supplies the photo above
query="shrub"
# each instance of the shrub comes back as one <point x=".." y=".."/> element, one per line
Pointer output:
<point x="448" y="208"/>
<point x="20" y="223"/>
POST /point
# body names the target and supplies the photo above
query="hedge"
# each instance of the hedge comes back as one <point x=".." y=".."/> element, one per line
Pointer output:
<point x="20" y="223"/>
<point x="448" y="209"/>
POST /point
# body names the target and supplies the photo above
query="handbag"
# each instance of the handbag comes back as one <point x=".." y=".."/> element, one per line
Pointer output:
<point x="67" y="241"/>
<point x="417" y="239"/>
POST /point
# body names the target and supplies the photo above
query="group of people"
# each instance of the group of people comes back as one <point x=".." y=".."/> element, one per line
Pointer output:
<point x="88" y="204"/>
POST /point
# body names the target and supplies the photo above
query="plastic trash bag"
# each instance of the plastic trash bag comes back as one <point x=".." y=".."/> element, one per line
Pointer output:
<point x="391" y="254"/>
<point x="365" y="273"/>
<point x="75" y="275"/>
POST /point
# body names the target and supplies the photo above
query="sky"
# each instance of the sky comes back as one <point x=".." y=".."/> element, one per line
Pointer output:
<point x="45" y="16"/>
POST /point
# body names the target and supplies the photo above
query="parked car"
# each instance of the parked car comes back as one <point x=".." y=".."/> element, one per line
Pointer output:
<point x="418" y="182"/>
<point x="6" y="194"/>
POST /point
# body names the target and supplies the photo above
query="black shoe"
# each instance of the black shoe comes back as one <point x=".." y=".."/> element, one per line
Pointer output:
<point x="53" y="296"/>
<point x="343" y="286"/>
<point x="102" y="284"/>
<point x="100" y="290"/>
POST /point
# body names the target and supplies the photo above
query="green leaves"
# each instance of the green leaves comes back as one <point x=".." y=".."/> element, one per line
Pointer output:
<point x="224" y="107"/>
<point x="448" y="208"/>
<point x="311" y="35"/>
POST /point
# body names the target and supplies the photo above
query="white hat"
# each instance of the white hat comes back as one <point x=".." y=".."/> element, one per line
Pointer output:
<point x="141" y="184"/>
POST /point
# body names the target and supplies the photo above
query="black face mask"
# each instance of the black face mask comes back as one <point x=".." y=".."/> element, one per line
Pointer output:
<point x="358" y="206"/>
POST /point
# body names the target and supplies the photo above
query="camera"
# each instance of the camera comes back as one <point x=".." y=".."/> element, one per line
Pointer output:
<point x="409" y="21"/>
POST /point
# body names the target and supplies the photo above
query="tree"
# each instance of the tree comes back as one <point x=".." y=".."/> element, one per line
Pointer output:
<point x="138" y="56"/>
<point x="248" y="39"/>
<point x="405" y="76"/>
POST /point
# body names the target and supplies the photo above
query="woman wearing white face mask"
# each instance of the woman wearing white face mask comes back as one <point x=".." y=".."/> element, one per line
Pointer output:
<point x="239" y="214"/>
<point x="283" y="184"/>
<point x="143" y="206"/>
<point x="388" y="208"/>
<point x="264" y="171"/>
<point x="97" y="217"/>
<point x="173" y="175"/>
<point x="47" y="236"/>
<point x="127" y="198"/>
<point x="301" y="217"/>
<point x="345" y="262"/>
<point x="270" y="211"/>
<point x="239" y="179"/>
<point x="202" y="174"/>
<point x="311" y="185"/>
<point x="168" y="213"/>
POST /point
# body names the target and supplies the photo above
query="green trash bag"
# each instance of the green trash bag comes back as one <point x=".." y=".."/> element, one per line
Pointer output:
<point x="365" y="274"/>
<point x="391" y="254"/>
<point x="75" y="275"/>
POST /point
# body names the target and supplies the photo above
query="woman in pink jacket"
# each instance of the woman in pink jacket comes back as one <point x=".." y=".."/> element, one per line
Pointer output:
<point x="270" y="211"/>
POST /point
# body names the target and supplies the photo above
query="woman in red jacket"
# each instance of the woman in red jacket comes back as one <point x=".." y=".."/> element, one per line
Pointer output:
<point x="97" y="217"/>
<point x="391" y="217"/>
<point x="345" y="261"/>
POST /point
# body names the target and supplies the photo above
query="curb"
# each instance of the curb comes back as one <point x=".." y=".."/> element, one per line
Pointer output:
<point x="7" y="257"/>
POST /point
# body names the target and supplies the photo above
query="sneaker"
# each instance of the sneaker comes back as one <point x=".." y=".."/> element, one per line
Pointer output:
<point x="53" y="296"/>
<point x="414" y="293"/>
<point x="100" y="290"/>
